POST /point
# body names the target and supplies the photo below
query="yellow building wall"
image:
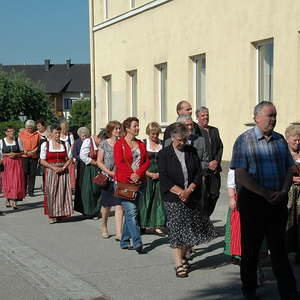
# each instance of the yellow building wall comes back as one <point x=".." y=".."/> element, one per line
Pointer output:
<point x="224" y="31"/>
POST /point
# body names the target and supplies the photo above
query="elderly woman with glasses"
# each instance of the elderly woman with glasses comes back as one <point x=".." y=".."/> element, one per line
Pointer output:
<point x="180" y="181"/>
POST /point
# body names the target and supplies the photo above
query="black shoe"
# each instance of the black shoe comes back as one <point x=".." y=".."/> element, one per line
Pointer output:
<point x="139" y="249"/>
<point x="161" y="234"/>
<point x="31" y="194"/>
<point x="127" y="247"/>
<point x="250" y="295"/>
<point x="142" y="230"/>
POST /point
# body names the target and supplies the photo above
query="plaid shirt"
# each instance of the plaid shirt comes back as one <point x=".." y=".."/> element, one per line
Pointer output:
<point x="267" y="160"/>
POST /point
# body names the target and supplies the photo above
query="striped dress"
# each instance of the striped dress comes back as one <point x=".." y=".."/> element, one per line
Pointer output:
<point x="58" y="193"/>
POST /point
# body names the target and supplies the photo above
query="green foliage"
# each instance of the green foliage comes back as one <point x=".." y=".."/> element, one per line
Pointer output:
<point x="19" y="94"/>
<point x="81" y="113"/>
<point x="16" y="125"/>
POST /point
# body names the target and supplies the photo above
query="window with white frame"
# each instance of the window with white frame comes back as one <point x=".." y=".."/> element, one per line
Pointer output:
<point x="132" y="3"/>
<point x="107" y="95"/>
<point x="264" y="54"/>
<point x="133" y="92"/>
<point x="68" y="103"/>
<point x="199" y="79"/>
<point x="105" y="9"/>
<point x="162" y="88"/>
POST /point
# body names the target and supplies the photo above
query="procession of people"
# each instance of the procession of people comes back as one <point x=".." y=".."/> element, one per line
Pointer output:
<point x="170" y="186"/>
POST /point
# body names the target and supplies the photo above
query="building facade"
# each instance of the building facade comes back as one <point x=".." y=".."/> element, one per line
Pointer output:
<point x="227" y="55"/>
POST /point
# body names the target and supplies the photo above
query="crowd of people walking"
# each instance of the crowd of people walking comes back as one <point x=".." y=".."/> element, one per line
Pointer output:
<point x="169" y="185"/>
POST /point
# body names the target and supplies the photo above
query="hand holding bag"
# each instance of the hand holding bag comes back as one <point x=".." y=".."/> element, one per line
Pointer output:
<point x="101" y="180"/>
<point x="127" y="191"/>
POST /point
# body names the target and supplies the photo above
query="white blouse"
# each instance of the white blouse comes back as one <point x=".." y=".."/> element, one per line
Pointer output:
<point x="62" y="149"/>
<point x="67" y="138"/>
<point x="148" y="146"/>
<point x="10" y="144"/>
<point x="85" y="150"/>
<point x="231" y="179"/>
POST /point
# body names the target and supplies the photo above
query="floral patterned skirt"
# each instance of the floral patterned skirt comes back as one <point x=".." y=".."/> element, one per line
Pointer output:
<point x="187" y="226"/>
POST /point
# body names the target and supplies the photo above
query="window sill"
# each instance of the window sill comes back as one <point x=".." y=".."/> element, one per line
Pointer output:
<point x="132" y="12"/>
<point x="250" y="124"/>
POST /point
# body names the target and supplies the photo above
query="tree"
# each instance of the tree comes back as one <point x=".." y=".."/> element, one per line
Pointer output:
<point x="20" y="95"/>
<point x="81" y="113"/>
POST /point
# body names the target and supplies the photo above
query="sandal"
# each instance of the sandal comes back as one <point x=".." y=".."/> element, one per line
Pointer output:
<point x="8" y="203"/>
<point x="181" y="272"/>
<point x="185" y="263"/>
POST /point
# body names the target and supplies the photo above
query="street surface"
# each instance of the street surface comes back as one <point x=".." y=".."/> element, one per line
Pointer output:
<point x="70" y="260"/>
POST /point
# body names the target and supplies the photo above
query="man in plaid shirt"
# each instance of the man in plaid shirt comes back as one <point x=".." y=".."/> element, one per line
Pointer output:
<point x="263" y="168"/>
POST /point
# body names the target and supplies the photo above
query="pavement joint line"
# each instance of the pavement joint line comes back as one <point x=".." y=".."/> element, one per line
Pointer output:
<point x="52" y="280"/>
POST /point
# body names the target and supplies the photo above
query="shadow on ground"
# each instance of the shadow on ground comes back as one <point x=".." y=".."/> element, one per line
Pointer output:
<point x="24" y="207"/>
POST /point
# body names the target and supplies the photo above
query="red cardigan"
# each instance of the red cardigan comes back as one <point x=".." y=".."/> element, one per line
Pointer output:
<point x="123" y="171"/>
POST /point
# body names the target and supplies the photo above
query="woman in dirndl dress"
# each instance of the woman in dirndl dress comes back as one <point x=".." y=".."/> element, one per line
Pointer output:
<point x="151" y="207"/>
<point x="13" y="181"/>
<point x="55" y="157"/>
<point x="180" y="181"/>
<point x="90" y="191"/>
<point x="292" y="135"/>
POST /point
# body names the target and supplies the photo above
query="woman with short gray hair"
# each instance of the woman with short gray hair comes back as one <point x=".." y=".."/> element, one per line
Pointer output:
<point x="83" y="133"/>
<point x="180" y="181"/>
<point x="292" y="135"/>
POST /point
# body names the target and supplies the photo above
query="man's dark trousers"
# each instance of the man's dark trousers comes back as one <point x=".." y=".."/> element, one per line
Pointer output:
<point x="260" y="219"/>
<point x="213" y="185"/>
<point x="30" y="166"/>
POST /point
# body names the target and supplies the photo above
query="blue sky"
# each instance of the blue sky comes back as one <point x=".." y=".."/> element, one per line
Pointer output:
<point x="34" y="30"/>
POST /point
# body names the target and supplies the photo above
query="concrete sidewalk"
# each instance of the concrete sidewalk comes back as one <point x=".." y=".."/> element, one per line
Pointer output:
<point x="70" y="260"/>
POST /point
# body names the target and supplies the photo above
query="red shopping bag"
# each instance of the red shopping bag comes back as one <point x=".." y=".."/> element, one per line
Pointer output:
<point x="235" y="233"/>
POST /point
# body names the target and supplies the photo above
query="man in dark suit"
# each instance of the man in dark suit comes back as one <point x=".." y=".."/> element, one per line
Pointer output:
<point x="183" y="108"/>
<point x="214" y="146"/>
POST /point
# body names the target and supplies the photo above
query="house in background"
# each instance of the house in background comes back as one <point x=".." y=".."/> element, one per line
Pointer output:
<point x="64" y="83"/>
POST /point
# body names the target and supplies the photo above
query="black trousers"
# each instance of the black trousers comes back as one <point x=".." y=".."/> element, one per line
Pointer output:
<point x="213" y="185"/>
<point x="30" y="166"/>
<point x="260" y="219"/>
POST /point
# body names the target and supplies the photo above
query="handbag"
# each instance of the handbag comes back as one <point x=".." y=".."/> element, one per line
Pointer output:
<point x="101" y="180"/>
<point x="127" y="191"/>
<point x="124" y="190"/>
<point x="235" y="233"/>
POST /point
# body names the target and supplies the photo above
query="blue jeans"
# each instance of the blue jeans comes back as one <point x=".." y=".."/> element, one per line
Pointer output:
<point x="131" y="228"/>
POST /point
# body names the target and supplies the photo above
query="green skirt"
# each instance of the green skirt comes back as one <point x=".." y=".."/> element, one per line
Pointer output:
<point x="151" y="207"/>
<point x="90" y="192"/>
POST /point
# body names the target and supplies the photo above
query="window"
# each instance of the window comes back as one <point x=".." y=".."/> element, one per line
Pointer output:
<point x="107" y="95"/>
<point x="105" y="9"/>
<point x="133" y="92"/>
<point x="199" y="79"/>
<point x="162" y="81"/>
<point x="68" y="103"/>
<point x="264" y="70"/>
<point x="132" y="3"/>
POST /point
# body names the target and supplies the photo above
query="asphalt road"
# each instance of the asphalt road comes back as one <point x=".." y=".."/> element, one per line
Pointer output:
<point x="70" y="260"/>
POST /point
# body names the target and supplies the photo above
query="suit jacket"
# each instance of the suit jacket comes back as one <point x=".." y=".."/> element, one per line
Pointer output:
<point x="167" y="133"/>
<point x="170" y="173"/>
<point x="213" y="144"/>
<point x="198" y="142"/>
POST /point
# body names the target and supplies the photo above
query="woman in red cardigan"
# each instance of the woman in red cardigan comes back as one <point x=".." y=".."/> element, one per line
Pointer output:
<point x="131" y="161"/>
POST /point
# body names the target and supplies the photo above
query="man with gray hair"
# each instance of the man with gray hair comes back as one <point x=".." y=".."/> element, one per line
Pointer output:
<point x="214" y="146"/>
<point x="31" y="140"/>
<point x="182" y="108"/>
<point x="264" y="170"/>
<point x="194" y="140"/>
